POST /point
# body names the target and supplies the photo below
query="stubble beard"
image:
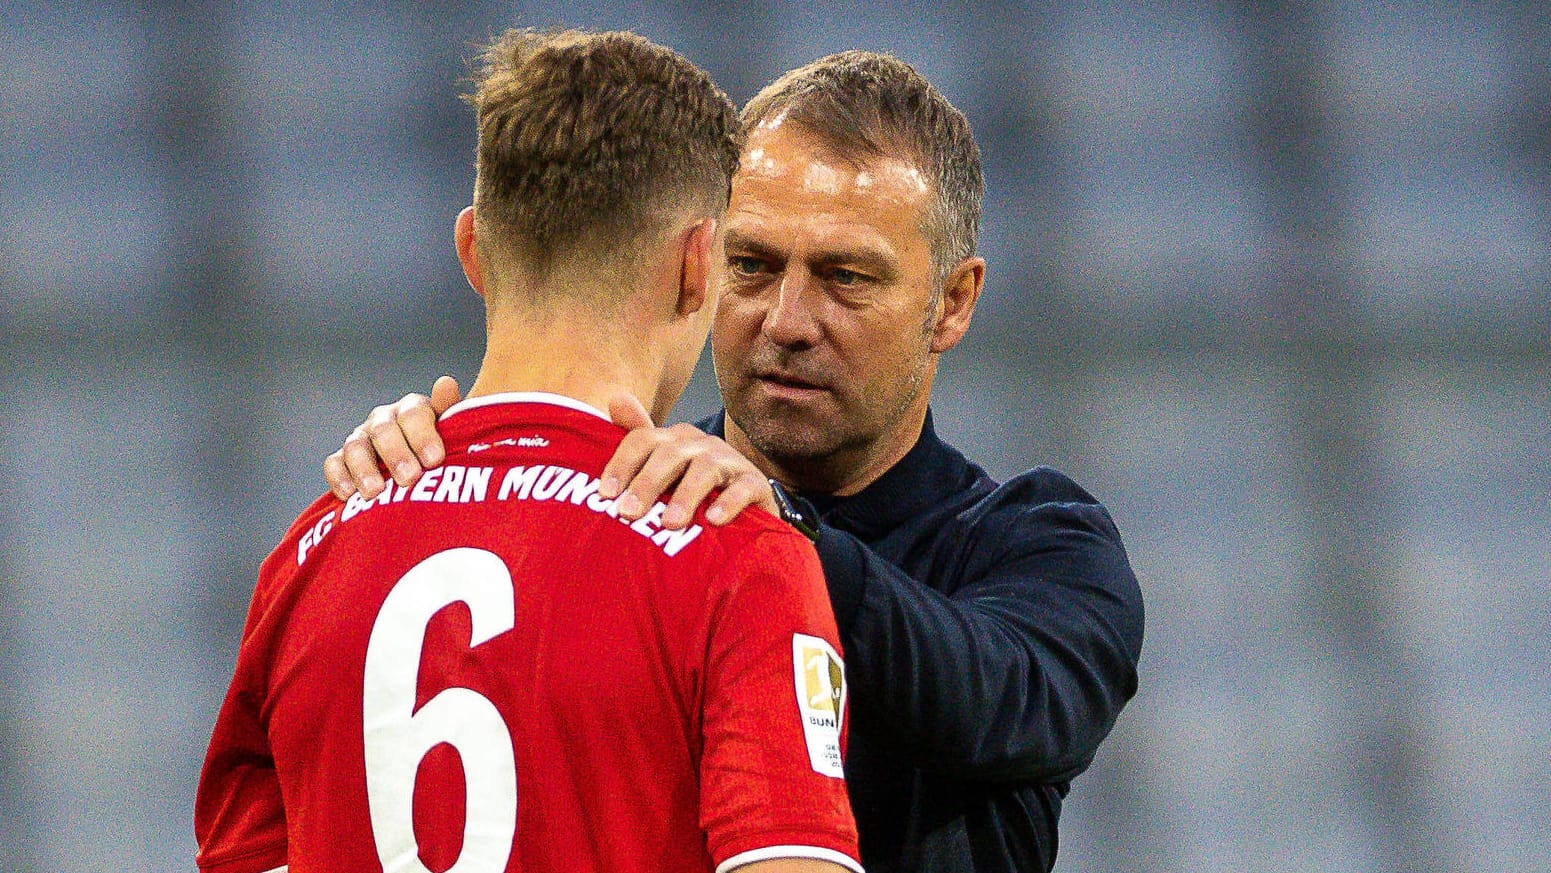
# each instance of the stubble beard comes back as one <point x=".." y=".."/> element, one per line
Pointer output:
<point x="817" y="455"/>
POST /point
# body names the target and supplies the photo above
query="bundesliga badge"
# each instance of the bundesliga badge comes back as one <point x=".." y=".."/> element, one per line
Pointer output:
<point x="821" y="700"/>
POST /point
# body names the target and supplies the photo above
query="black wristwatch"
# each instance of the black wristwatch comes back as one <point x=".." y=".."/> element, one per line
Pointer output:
<point x="792" y="512"/>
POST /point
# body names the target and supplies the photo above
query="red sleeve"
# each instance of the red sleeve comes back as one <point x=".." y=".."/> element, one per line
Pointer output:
<point x="239" y="817"/>
<point x="774" y="710"/>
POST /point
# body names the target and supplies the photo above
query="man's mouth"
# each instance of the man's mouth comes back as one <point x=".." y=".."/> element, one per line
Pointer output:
<point x="788" y="385"/>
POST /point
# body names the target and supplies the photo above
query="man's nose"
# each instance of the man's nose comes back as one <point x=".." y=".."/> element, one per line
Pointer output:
<point x="791" y="320"/>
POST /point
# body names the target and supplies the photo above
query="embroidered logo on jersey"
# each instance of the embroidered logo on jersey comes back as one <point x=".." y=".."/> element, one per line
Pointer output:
<point x="821" y="700"/>
<point x="528" y="442"/>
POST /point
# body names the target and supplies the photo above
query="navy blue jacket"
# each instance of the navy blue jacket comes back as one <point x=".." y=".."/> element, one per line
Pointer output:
<point x="991" y="636"/>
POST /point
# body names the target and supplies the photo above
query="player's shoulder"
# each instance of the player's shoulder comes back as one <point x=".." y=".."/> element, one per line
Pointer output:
<point x="756" y="545"/>
<point x="310" y="527"/>
<point x="752" y="527"/>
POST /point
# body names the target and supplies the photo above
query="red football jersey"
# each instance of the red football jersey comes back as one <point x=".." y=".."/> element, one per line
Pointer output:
<point x="490" y="671"/>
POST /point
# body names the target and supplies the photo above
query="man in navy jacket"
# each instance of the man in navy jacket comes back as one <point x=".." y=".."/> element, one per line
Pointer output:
<point x="991" y="635"/>
<point x="991" y="632"/>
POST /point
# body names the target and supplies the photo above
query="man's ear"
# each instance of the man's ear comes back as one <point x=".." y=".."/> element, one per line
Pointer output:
<point x="959" y="294"/>
<point x="468" y="252"/>
<point x="695" y="266"/>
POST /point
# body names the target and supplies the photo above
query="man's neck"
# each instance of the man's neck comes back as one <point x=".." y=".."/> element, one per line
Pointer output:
<point x="577" y="357"/>
<point x="841" y="474"/>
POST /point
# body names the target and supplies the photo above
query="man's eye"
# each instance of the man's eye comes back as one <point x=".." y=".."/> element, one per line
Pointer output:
<point x="745" y="266"/>
<point x="842" y="276"/>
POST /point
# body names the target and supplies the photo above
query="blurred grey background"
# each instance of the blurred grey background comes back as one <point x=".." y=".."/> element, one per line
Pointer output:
<point x="1270" y="279"/>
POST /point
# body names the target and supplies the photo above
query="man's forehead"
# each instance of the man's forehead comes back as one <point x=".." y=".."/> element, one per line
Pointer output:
<point x="814" y="228"/>
<point x="794" y="193"/>
<point x="795" y="155"/>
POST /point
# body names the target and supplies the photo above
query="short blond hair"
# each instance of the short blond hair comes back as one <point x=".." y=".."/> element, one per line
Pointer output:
<point x="590" y="142"/>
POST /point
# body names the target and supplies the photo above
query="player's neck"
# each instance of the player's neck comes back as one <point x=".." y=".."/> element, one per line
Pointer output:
<point x="584" y="358"/>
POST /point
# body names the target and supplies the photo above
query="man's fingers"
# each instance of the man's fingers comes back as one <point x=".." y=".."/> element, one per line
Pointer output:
<point x="387" y="440"/>
<point x="361" y="464"/>
<point x="416" y="419"/>
<point x="697" y="482"/>
<point x="400" y="436"/>
<point x="338" y="475"/>
<point x="651" y="460"/>
<point x="663" y="467"/>
<point x="738" y="495"/>
<point x="626" y="411"/>
<point x="628" y="458"/>
<point x="444" y="394"/>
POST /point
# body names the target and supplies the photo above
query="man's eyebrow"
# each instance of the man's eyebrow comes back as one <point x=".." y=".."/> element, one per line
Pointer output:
<point x="872" y="259"/>
<point x="739" y="240"/>
<point x="868" y="258"/>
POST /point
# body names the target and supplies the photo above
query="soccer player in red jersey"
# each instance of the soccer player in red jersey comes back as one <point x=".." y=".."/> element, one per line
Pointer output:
<point x="492" y="670"/>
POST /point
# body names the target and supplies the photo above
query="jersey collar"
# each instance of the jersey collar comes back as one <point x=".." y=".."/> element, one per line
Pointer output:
<point x="522" y="397"/>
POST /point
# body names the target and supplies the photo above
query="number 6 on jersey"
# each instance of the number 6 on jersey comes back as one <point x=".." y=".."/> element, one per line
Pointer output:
<point x="398" y="737"/>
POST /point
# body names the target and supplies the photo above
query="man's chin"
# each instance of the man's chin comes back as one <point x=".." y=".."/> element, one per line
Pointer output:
<point x="787" y="433"/>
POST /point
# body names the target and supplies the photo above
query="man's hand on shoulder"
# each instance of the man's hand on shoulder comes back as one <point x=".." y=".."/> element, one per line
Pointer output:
<point x="650" y="460"/>
<point x="400" y="437"/>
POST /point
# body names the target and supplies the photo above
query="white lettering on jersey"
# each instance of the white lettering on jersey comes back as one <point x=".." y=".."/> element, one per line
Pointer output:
<point x="314" y="536"/>
<point x="454" y="483"/>
<point x="425" y="488"/>
<point x="519" y="481"/>
<point x="451" y="482"/>
<point x="475" y="483"/>
<point x="579" y="488"/>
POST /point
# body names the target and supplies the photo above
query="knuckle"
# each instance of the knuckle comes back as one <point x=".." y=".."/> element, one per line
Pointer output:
<point x="638" y="440"/>
<point x="664" y="439"/>
<point x="412" y="403"/>
<point x="646" y="442"/>
<point x="654" y="473"/>
<point x="709" y="472"/>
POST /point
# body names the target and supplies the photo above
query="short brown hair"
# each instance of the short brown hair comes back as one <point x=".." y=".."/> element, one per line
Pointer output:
<point x="590" y="142"/>
<point x="869" y="104"/>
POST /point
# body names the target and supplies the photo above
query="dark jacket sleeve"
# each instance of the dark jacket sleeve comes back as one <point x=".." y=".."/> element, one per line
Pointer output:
<point x="1013" y="661"/>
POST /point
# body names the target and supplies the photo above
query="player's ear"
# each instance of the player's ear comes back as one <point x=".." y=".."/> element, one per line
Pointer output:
<point x="959" y="294"/>
<point x="695" y="266"/>
<point x="468" y="252"/>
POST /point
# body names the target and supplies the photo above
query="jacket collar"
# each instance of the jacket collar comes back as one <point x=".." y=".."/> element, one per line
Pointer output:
<point x="931" y="470"/>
